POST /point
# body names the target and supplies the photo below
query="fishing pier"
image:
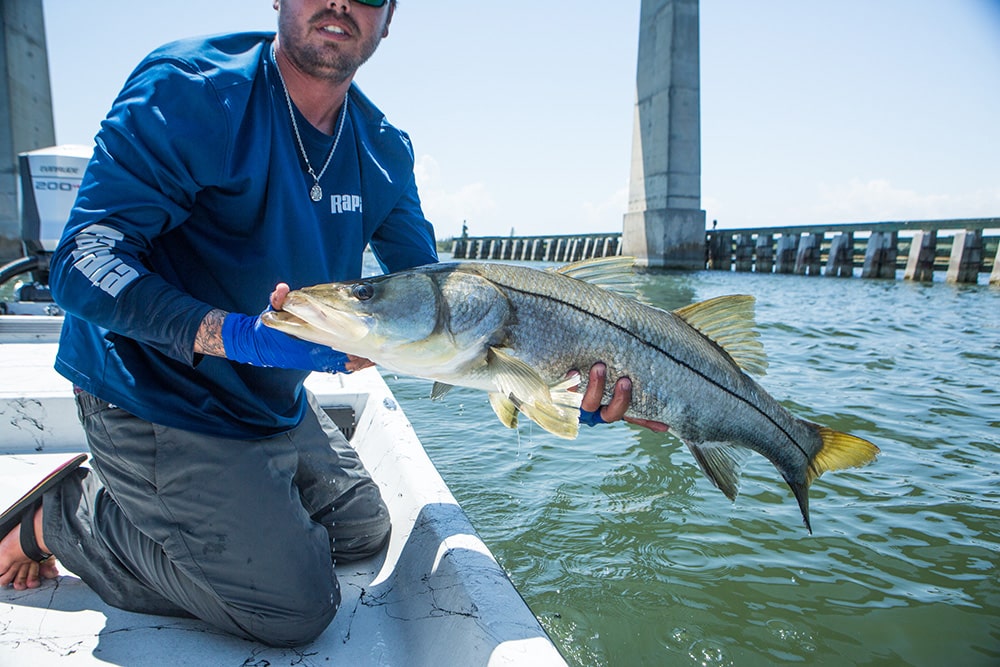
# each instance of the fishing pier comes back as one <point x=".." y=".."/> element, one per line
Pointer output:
<point x="958" y="249"/>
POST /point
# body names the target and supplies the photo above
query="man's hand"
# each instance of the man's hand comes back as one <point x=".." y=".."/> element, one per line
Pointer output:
<point x="592" y="412"/>
<point x="245" y="339"/>
<point x="354" y="363"/>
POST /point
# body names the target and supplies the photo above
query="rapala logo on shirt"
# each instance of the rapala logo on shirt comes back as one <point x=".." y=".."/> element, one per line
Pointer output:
<point x="95" y="258"/>
<point x="345" y="203"/>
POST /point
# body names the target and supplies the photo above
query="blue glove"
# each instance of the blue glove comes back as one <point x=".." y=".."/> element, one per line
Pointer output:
<point x="591" y="418"/>
<point x="249" y="341"/>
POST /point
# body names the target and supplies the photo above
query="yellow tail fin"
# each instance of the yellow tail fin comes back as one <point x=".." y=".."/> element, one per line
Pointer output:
<point x="839" y="451"/>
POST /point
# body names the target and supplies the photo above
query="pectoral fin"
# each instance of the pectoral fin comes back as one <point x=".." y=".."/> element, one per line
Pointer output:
<point x="505" y="409"/>
<point x="564" y="393"/>
<point x="555" y="419"/>
<point x="528" y="392"/>
<point x="515" y="378"/>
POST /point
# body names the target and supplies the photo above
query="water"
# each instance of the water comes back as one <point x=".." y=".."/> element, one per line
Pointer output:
<point x="629" y="556"/>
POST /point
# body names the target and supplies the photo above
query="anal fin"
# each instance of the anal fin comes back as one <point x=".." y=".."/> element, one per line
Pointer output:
<point x="721" y="462"/>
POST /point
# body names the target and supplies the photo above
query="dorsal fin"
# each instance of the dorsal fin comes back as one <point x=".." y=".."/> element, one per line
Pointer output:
<point x="729" y="322"/>
<point x="614" y="274"/>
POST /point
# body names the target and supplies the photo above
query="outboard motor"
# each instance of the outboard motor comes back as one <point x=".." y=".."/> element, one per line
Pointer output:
<point x="50" y="181"/>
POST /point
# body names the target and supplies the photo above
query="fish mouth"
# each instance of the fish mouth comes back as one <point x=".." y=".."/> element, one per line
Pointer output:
<point x="308" y="318"/>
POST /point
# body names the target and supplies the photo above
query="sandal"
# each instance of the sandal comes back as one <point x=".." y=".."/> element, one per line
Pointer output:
<point x="23" y="511"/>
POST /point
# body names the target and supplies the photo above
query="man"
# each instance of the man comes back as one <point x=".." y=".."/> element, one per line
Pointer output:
<point x="226" y="166"/>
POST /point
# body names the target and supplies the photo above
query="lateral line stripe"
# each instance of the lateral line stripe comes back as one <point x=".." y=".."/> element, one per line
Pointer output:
<point x="669" y="356"/>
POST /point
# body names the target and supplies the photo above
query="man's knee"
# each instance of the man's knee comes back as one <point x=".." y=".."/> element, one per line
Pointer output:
<point x="362" y="541"/>
<point x="298" y="619"/>
<point x="358" y="525"/>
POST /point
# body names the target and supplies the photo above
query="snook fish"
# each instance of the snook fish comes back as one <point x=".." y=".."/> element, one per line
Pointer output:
<point x="515" y="331"/>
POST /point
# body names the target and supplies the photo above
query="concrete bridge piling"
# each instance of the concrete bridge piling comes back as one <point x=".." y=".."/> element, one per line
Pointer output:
<point x="966" y="256"/>
<point x="920" y="263"/>
<point x="881" y="253"/>
<point x="556" y="248"/>
<point x="840" y="260"/>
<point x="959" y="248"/>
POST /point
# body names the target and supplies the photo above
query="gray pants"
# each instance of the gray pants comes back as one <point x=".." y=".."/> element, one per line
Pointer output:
<point x="242" y="534"/>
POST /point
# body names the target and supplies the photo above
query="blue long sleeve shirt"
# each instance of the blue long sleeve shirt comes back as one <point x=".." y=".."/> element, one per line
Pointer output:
<point x="197" y="198"/>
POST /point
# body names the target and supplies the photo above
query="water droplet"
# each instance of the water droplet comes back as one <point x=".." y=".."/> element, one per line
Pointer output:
<point x="705" y="652"/>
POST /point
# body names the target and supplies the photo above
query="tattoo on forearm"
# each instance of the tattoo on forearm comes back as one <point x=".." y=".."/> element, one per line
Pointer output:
<point x="209" y="337"/>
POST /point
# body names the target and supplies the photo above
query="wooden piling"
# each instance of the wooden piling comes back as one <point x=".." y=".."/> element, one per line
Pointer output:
<point x="966" y="257"/>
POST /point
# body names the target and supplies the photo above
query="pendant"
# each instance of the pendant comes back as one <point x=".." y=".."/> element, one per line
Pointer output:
<point x="316" y="192"/>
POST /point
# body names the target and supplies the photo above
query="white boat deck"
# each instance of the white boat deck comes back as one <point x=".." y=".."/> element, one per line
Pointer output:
<point x="435" y="597"/>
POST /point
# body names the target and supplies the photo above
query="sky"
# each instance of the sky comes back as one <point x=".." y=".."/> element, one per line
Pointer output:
<point x="812" y="112"/>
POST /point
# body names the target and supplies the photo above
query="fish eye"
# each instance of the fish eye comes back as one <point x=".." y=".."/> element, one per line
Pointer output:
<point x="363" y="291"/>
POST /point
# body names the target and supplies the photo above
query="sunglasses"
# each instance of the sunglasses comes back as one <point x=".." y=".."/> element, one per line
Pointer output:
<point x="370" y="3"/>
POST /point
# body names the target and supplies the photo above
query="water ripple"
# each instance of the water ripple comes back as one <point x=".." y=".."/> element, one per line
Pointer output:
<point x="628" y="555"/>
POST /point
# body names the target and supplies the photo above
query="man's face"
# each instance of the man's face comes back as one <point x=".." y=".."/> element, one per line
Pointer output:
<point x="330" y="40"/>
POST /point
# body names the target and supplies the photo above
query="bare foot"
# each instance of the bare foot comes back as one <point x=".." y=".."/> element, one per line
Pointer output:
<point x="18" y="570"/>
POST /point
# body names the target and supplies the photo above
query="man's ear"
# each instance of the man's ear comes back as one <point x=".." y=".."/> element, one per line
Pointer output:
<point x="388" y="19"/>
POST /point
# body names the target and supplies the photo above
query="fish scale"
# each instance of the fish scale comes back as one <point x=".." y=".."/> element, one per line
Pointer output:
<point x="653" y="347"/>
<point x="516" y="331"/>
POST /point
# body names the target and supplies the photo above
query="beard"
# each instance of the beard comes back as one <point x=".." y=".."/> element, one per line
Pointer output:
<point x="335" y="62"/>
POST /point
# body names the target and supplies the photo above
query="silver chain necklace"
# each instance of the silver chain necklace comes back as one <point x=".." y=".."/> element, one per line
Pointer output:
<point x="315" y="192"/>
